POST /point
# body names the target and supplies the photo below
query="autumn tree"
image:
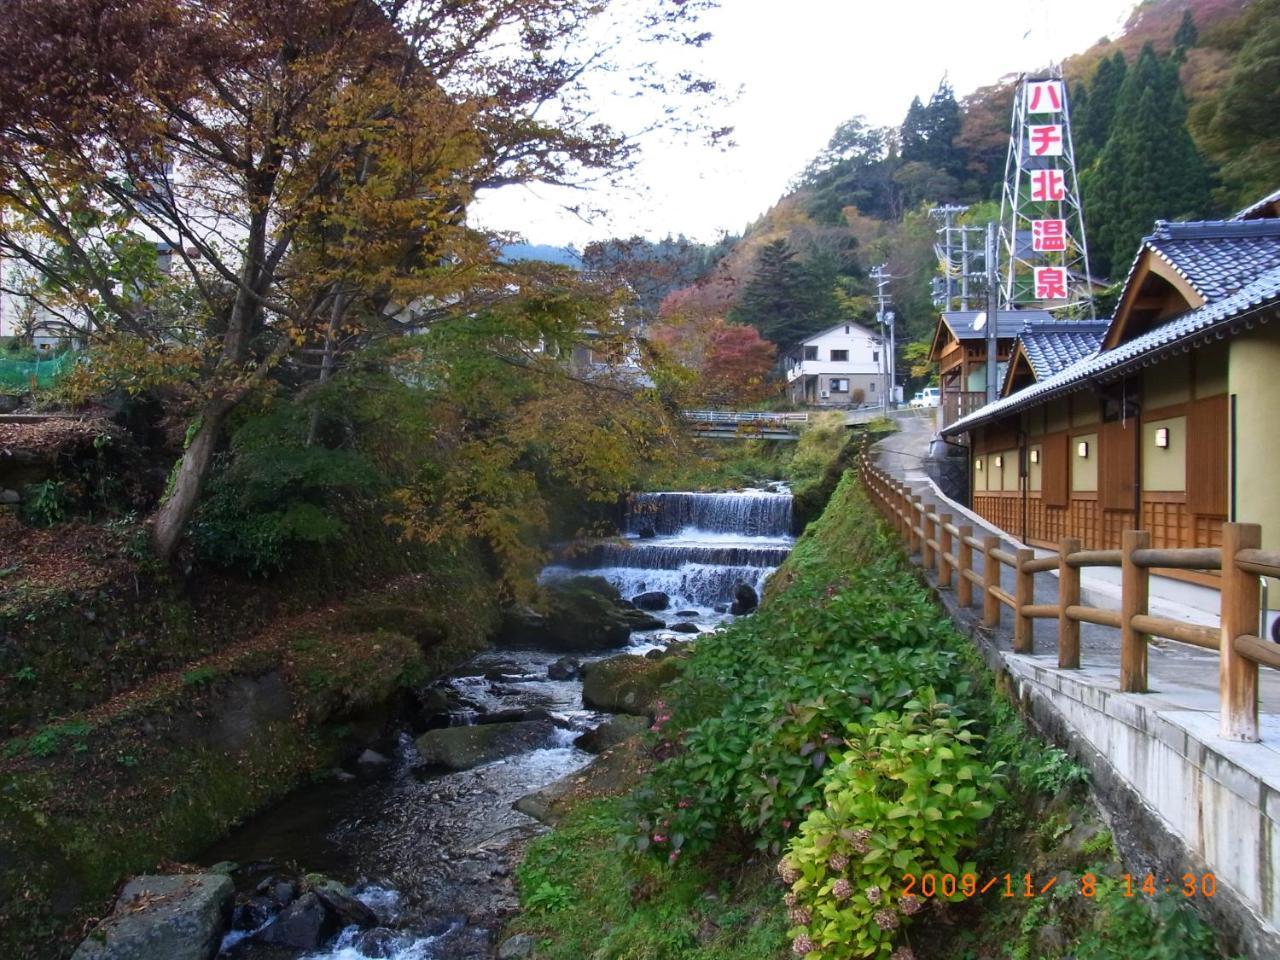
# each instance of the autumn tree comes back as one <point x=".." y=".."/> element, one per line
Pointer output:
<point x="305" y="164"/>
<point x="730" y="362"/>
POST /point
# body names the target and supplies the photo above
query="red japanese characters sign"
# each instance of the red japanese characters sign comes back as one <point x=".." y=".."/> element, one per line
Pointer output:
<point x="1048" y="236"/>
<point x="1045" y="140"/>
<point x="1048" y="186"/>
<point x="1051" y="283"/>
<point x="1044" y="96"/>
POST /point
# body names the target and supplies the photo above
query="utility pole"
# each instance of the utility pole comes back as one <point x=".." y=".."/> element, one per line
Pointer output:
<point x="993" y="307"/>
<point x="885" y="319"/>
<point x="944" y="250"/>
<point x="964" y="268"/>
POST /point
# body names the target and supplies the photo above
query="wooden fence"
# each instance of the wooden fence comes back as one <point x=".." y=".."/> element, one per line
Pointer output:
<point x="950" y="550"/>
<point x="734" y="416"/>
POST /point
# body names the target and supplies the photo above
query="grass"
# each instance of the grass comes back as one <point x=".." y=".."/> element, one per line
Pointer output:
<point x="586" y="894"/>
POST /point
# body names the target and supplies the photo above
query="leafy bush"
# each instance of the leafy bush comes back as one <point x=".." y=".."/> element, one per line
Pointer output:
<point x="906" y="798"/>
<point x="272" y="496"/>
<point x="45" y="503"/>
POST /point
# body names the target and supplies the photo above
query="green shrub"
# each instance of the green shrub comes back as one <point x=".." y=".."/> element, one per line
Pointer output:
<point x="907" y="797"/>
<point x="45" y="503"/>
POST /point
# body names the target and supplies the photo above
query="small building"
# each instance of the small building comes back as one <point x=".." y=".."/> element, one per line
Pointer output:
<point x="1171" y="425"/>
<point x="839" y="367"/>
<point x="960" y="351"/>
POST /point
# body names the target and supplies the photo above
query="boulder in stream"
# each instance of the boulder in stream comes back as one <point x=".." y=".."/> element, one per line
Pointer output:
<point x="626" y="683"/>
<point x="653" y="600"/>
<point x="579" y="615"/>
<point x="305" y="924"/>
<point x="612" y="732"/>
<point x="179" y="917"/>
<point x="687" y="614"/>
<point x="461" y="748"/>
<point x="640" y="620"/>
<point x="566" y="668"/>
<point x="684" y="627"/>
<point x="745" y="599"/>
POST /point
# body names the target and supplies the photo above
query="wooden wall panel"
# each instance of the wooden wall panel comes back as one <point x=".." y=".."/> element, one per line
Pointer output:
<point x="1055" y="469"/>
<point x="1117" y="464"/>
<point x="1207" y="430"/>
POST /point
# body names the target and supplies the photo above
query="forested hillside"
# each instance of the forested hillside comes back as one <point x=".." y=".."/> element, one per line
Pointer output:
<point x="1175" y="118"/>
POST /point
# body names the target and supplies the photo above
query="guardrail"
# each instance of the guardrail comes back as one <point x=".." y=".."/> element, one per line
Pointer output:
<point x="949" y="549"/>
<point x="730" y="416"/>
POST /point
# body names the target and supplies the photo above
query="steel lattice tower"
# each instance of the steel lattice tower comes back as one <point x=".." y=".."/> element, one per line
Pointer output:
<point x="1043" y="250"/>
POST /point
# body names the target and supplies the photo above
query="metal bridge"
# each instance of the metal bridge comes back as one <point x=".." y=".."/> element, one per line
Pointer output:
<point x="745" y="425"/>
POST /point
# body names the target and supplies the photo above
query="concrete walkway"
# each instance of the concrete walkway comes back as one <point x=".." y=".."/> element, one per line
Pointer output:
<point x="1182" y="798"/>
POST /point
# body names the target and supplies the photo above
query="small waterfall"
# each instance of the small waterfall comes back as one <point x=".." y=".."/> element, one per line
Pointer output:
<point x="694" y="547"/>
<point x="754" y="513"/>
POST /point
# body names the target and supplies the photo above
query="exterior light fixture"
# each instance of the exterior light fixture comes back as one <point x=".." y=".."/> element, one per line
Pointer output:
<point x="1162" y="438"/>
<point x="999" y="463"/>
<point x="1035" y="455"/>
<point x="978" y="464"/>
<point x="1082" y="449"/>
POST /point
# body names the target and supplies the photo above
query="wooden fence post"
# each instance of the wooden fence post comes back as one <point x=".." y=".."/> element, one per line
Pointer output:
<point x="1068" y="596"/>
<point x="1024" y="592"/>
<point x="1238" y="675"/>
<point x="912" y="515"/>
<point x="930" y="533"/>
<point x="964" y="554"/>
<point x="944" y="548"/>
<point x="990" y="578"/>
<point x="1134" y="582"/>
<point x="903" y="503"/>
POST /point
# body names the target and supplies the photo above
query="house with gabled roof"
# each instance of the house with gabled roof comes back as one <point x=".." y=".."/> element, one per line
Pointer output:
<point x="1172" y="424"/>
<point x="1043" y="349"/>
<point x="841" y="366"/>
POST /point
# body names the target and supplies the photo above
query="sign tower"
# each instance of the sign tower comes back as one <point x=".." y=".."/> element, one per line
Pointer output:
<point x="1044" y="255"/>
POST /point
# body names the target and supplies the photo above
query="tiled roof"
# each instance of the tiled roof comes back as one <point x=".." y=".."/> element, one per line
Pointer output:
<point x="1217" y="257"/>
<point x="1214" y="318"/>
<point x="1050" y="347"/>
<point x="1009" y="322"/>
<point x="1254" y="209"/>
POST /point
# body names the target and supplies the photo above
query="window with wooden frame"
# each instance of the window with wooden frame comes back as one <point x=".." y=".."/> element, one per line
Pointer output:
<point x="1055" y="470"/>
<point x="1207" y="429"/>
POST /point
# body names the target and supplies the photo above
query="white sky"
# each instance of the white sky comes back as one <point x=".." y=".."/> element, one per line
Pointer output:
<point x="805" y="66"/>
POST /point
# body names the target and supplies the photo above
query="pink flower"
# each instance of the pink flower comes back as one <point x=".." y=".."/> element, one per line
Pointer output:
<point x="841" y="889"/>
<point x="873" y="894"/>
<point x="860" y="841"/>
<point x="790" y="899"/>
<point x="910" y="905"/>
<point x="800" y="916"/>
<point x="886" y="920"/>
<point x="837" y="861"/>
<point x="801" y="945"/>
<point x="787" y="872"/>
<point x="683" y="804"/>
<point x="902" y="953"/>
<point x="786" y="824"/>
<point x="659" y="838"/>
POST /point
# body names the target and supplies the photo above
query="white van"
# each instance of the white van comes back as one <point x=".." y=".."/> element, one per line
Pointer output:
<point x="928" y="397"/>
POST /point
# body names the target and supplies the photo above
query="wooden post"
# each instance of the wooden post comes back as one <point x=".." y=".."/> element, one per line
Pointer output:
<point x="1238" y="675"/>
<point x="964" y="554"/>
<point x="914" y="514"/>
<point x="930" y="533"/>
<point x="1068" y="596"/>
<point x="1024" y="592"/>
<point x="903" y="500"/>
<point x="944" y="548"/>
<point x="1133" y="601"/>
<point x="990" y="578"/>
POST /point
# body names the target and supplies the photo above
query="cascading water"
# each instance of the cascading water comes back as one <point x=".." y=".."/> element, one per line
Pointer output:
<point x="430" y="851"/>
<point x="695" y="547"/>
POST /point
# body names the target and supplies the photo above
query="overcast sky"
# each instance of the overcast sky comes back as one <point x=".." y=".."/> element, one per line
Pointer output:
<point x="803" y="67"/>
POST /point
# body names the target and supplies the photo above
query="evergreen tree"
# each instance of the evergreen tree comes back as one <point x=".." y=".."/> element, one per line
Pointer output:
<point x="913" y="143"/>
<point x="1093" y="128"/>
<point x="1241" y="124"/>
<point x="775" y="300"/>
<point x="1187" y="36"/>
<point x="1149" y="168"/>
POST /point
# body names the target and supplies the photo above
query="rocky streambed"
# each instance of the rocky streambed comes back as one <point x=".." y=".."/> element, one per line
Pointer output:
<point x="407" y="851"/>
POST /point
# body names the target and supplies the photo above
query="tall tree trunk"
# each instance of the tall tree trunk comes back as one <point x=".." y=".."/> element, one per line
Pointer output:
<point x="170" y="521"/>
<point x="339" y="307"/>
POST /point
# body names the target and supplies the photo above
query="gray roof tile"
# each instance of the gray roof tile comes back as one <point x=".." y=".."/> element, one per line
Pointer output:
<point x="1218" y="257"/>
<point x="1263" y="291"/>
<point x="1050" y="347"/>
<point x="1009" y="322"/>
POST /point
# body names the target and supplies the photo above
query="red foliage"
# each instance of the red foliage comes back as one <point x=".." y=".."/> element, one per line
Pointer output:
<point x="732" y="361"/>
<point x="713" y="297"/>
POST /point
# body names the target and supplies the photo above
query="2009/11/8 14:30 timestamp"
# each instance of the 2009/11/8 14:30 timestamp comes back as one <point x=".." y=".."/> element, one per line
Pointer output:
<point x="950" y="886"/>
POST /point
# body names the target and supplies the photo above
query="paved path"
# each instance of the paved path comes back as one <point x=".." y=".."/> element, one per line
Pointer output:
<point x="1179" y="677"/>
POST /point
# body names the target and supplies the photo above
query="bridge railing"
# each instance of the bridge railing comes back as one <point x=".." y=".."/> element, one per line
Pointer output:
<point x="732" y="416"/>
<point x="949" y="549"/>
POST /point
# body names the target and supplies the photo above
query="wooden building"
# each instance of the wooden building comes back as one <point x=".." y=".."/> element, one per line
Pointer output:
<point x="1171" y="425"/>
<point x="960" y="351"/>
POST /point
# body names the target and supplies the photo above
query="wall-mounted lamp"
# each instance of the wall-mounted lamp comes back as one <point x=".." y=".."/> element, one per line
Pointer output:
<point x="1082" y="449"/>
<point x="1162" y="438"/>
<point x="1035" y="456"/>
<point x="999" y="463"/>
<point x="978" y="464"/>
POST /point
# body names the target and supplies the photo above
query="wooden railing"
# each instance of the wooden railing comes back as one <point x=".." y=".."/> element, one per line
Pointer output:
<point x="960" y="404"/>
<point x="950" y="549"/>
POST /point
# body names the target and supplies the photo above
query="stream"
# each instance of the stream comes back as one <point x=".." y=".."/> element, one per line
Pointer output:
<point x="431" y="853"/>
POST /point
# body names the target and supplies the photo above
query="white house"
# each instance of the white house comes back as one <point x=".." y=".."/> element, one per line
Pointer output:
<point x="839" y="367"/>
